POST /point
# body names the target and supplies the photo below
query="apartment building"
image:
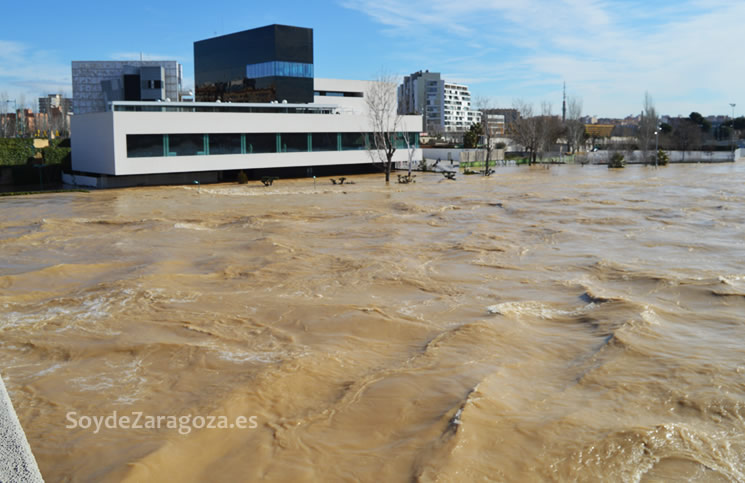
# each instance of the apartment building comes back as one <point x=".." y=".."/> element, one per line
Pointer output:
<point x="445" y="106"/>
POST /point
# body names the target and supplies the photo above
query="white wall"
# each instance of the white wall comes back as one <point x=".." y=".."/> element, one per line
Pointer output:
<point x="100" y="140"/>
<point x="346" y="104"/>
<point x="92" y="142"/>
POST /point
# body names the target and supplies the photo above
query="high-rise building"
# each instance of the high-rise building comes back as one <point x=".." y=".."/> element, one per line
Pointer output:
<point x="97" y="83"/>
<point x="272" y="63"/>
<point x="445" y="106"/>
<point x="64" y="104"/>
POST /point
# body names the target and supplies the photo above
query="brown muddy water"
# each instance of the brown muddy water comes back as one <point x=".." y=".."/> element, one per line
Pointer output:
<point x="571" y="323"/>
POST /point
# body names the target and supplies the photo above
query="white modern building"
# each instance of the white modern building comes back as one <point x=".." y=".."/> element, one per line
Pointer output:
<point x="457" y="113"/>
<point x="138" y="142"/>
<point x="446" y="106"/>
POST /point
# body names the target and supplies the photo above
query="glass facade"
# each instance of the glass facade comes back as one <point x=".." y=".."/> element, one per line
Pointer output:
<point x="144" y="145"/>
<point x="160" y="145"/>
<point x="225" y="143"/>
<point x="401" y="140"/>
<point x="324" y="141"/>
<point x="272" y="63"/>
<point x="294" y="142"/>
<point x="278" y="68"/>
<point x="186" y="144"/>
<point x="261" y="143"/>
<point x="351" y="141"/>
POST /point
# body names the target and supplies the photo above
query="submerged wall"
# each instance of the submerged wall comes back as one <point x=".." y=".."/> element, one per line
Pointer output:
<point x="17" y="463"/>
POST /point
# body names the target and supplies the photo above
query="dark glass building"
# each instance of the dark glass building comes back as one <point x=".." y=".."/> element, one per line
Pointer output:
<point x="272" y="63"/>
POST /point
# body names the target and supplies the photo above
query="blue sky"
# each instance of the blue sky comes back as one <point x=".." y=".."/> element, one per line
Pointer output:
<point x="685" y="53"/>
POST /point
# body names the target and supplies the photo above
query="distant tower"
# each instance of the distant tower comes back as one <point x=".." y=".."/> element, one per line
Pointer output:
<point x="564" y="104"/>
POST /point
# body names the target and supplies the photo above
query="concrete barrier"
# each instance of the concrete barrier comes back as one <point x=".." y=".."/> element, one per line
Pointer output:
<point x="17" y="463"/>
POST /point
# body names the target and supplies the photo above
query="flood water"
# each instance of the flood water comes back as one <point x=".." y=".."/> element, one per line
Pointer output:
<point x="571" y="323"/>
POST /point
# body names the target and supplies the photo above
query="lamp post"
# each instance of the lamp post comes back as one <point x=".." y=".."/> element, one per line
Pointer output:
<point x="656" y="145"/>
<point x="733" y="130"/>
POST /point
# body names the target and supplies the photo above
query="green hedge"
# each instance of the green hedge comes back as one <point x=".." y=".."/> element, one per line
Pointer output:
<point x="15" y="151"/>
<point x="60" y="142"/>
<point x="54" y="155"/>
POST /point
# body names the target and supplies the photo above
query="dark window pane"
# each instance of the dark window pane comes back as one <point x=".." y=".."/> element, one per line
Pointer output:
<point x="279" y="69"/>
<point x="261" y="143"/>
<point x="225" y="144"/>
<point x="352" y="141"/>
<point x="185" y="144"/>
<point x="144" y="145"/>
<point x="324" y="141"/>
<point x="294" y="142"/>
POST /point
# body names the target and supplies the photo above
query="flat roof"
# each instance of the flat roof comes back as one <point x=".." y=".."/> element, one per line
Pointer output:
<point x="185" y="106"/>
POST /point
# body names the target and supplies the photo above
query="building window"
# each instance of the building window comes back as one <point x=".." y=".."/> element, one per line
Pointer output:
<point x="352" y="141"/>
<point x="225" y="143"/>
<point x="261" y="143"/>
<point x="279" y="68"/>
<point x="144" y="145"/>
<point x="324" y="141"/>
<point x="294" y="142"/>
<point x="186" y="144"/>
<point x="401" y="140"/>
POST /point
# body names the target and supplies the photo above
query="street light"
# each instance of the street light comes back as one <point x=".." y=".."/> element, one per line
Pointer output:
<point x="733" y="130"/>
<point x="656" y="145"/>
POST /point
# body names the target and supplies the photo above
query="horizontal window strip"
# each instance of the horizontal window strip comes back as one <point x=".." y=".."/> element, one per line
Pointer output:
<point x="215" y="144"/>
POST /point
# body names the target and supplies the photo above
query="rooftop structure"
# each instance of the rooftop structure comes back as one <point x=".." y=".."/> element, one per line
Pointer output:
<point x="96" y="83"/>
<point x="272" y="63"/>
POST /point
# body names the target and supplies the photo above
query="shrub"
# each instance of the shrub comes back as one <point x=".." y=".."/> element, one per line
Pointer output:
<point x="242" y="177"/>
<point x="500" y="145"/>
<point x="662" y="158"/>
<point x="617" y="161"/>
<point x="60" y="142"/>
<point x="56" y="155"/>
<point x="15" y="151"/>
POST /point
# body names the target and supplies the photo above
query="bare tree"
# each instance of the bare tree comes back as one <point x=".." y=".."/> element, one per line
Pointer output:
<point x="535" y="133"/>
<point x="384" y="120"/>
<point x="687" y="136"/>
<point x="489" y="130"/>
<point x="647" y="126"/>
<point x="410" y="142"/>
<point x="524" y="129"/>
<point x="548" y="128"/>
<point x="575" y="128"/>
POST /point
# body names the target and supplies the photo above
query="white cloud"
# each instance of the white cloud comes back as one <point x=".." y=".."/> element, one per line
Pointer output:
<point x="26" y="74"/>
<point x="143" y="56"/>
<point x="609" y="52"/>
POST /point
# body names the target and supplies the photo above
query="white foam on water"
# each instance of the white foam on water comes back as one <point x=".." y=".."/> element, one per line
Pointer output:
<point x="191" y="226"/>
<point x="535" y="309"/>
<point x="48" y="370"/>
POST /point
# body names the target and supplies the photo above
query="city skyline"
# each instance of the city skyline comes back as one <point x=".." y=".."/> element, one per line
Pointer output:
<point x="608" y="52"/>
